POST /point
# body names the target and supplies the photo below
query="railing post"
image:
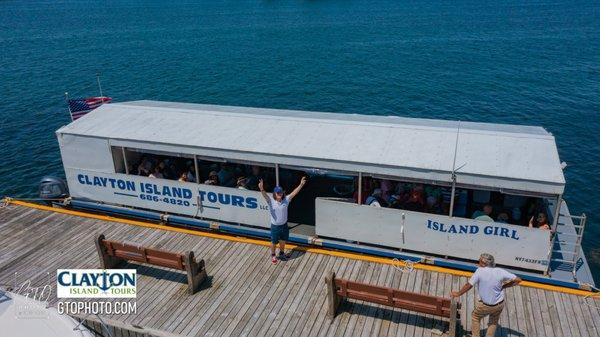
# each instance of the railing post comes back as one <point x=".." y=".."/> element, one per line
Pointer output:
<point x="557" y="212"/>
<point x="579" y="239"/>
<point x="359" y="188"/>
<point x="196" y="168"/>
<point x="277" y="174"/>
<point x="125" y="160"/>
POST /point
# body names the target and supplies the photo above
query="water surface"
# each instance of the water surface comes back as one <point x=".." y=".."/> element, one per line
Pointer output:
<point x="535" y="63"/>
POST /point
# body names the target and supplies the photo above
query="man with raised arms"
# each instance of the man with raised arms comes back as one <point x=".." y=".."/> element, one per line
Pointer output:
<point x="278" y="209"/>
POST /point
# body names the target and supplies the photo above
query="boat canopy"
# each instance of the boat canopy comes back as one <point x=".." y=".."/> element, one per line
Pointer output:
<point x="509" y="158"/>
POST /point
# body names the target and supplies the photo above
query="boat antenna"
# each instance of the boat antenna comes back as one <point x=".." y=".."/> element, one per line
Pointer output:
<point x="99" y="86"/>
<point x="455" y="150"/>
<point x="454" y="172"/>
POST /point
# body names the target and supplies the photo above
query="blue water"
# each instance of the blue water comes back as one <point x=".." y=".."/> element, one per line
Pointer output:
<point x="534" y="62"/>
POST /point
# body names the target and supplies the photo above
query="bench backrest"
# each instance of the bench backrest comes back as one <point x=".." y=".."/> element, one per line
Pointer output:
<point x="141" y="254"/>
<point x="426" y="304"/>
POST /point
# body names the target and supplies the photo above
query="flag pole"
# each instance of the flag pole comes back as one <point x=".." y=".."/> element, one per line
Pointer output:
<point x="68" y="106"/>
<point x="99" y="86"/>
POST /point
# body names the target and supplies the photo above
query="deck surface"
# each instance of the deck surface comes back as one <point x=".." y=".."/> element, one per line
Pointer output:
<point x="247" y="296"/>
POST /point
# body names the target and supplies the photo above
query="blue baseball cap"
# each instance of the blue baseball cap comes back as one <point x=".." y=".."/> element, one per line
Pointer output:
<point x="278" y="189"/>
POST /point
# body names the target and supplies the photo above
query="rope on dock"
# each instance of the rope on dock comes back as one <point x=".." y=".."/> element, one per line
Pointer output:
<point x="7" y="200"/>
<point x="405" y="266"/>
<point x="592" y="296"/>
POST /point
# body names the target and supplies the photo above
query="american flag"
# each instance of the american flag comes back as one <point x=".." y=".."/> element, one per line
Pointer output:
<point x="80" y="106"/>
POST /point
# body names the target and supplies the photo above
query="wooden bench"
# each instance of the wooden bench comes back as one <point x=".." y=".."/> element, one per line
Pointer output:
<point x="112" y="254"/>
<point x="338" y="289"/>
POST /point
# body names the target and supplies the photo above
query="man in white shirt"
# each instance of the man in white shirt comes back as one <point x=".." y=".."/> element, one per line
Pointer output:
<point x="278" y="209"/>
<point x="490" y="282"/>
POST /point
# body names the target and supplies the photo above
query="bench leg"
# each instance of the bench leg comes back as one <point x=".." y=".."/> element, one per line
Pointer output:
<point x="333" y="299"/>
<point x="196" y="272"/>
<point x="106" y="261"/>
<point x="453" y="318"/>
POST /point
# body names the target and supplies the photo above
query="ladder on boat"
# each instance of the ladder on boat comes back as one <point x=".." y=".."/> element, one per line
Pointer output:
<point x="566" y="243"/>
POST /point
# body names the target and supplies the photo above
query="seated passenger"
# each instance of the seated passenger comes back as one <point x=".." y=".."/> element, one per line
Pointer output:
<point x="375" y="199"/>
<point x="226" y="175"/>
<point x="242" y="183"/>
<point x="540" y="222"/>
<point x="515" y="215"/>
<point x="420" y="189"/>
<point x="191" y="174"/>
<point x="395" y="201"/>
<point x="485" y="215"/>
<point x="502" y="217"/>
<point x="386" y="189"/>
<point x="433" y="191"/>
<point x="183" y="177"/>
<point x="414" y="202"/>
<point x="433" y="205"/>
<point x="254" y="177"/>
<point x="172" y="171"/>
<point x="213" y="179"/>
<point x="144" y="168"/>
<point x="163" y="167"/>
<point x="446" y="198"/>
<point x="156" y="173"/>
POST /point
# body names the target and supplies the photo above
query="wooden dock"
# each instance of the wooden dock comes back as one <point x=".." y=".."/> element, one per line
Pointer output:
<point x="248" y="296"/>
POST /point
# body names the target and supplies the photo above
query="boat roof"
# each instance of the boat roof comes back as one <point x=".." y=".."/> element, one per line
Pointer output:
<point x="496" y="156"/>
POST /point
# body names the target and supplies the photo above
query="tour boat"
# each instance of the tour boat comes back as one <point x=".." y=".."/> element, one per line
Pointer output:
<point x="452" y="168"/>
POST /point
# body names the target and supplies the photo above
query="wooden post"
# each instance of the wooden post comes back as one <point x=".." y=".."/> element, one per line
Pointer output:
<point x="333" y="300"/>
<point x="196" y="272"/>
<point x="453" y="318"/>
<point x="106" y="261"/>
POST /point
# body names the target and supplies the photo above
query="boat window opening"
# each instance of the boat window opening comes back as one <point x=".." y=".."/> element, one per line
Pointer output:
<point x="236" y="175"/>
<point x="383" y="192"/>
<point x="118" y="159"/>
<point x="507" y="208"/>
<point x="320" y="183"/>
<point x="163" y="167"/>
<point x="418" y="197"/>
<point x="468" y="203"/>
<point x="181" y="167"/>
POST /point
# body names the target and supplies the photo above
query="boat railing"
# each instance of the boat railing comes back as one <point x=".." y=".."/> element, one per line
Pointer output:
<point x="567" y="239"/>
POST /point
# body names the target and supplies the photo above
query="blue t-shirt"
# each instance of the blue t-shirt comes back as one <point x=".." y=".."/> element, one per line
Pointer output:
<point x="279" y="211"/>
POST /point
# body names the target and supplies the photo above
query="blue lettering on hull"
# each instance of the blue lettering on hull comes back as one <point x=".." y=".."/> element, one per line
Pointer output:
<point x="472" y="229"/>
<point x="123" y="185"/>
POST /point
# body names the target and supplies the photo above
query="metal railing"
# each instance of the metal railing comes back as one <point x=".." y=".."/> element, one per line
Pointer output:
<point x="573" y="249"/>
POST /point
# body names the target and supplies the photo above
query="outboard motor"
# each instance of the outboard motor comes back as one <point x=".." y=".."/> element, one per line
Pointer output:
<point x="52" y="188"/>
